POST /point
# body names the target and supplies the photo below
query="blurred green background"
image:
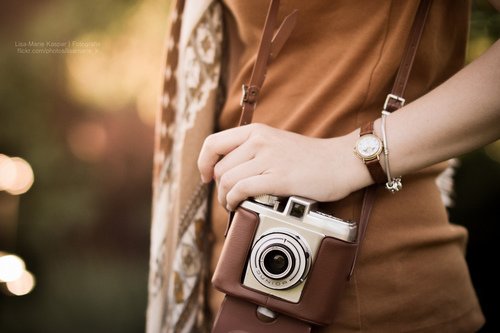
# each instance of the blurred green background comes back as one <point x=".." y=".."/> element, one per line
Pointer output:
<point x="82" y="114"/>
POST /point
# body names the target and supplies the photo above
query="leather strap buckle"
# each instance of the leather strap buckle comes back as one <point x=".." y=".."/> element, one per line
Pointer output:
<point x="393" y="102"/>
<point x="249" y="94"/>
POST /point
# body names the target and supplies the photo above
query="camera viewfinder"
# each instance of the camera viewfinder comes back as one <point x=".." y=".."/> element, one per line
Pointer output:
<point x="297" y="210"/>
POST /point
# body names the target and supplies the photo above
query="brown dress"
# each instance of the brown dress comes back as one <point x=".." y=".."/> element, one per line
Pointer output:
<point x="331" y="77"/>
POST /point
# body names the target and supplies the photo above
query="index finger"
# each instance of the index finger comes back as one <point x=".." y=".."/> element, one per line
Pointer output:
<point x="217" y="145"/>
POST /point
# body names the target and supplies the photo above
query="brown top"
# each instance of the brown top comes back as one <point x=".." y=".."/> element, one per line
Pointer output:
<point x="331" y="77"/>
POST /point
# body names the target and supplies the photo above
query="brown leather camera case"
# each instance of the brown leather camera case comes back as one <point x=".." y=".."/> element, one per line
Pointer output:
<point x="328" y="274"/>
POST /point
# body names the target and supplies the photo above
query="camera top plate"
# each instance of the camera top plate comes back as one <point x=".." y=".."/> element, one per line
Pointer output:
<point x="299" y="211"/>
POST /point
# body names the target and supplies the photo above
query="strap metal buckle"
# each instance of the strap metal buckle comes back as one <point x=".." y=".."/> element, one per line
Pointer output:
<point x="244" y="94"/>
<point x="401" y="100"/>
<point x="249" y="94"/>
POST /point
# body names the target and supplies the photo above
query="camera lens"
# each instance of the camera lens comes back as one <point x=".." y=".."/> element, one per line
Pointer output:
<point x="280" y="259"/>
<point x="276" y="262"/>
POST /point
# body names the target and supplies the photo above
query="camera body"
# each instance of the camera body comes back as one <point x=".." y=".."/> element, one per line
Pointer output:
<point x="286" y="243"/>
<point x="287" y="257"/>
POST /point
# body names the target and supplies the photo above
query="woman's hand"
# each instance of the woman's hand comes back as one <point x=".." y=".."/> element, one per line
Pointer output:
<point x="460" y="115"/>
<point x="257" y="159"/>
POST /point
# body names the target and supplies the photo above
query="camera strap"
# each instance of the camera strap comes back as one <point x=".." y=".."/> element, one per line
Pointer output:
<point x="394" y="101"/>
<point x="237" y="314"/>
<point x="269" y="47"/>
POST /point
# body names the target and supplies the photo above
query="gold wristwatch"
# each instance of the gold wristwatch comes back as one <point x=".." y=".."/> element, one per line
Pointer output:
<point x="368" y="148"/>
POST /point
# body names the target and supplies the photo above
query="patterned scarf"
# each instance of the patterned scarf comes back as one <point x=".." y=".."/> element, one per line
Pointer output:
<point x="178" y="262"/>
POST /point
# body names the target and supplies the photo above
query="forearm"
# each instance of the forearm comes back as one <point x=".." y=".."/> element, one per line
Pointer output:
<point x="460" y="115"/>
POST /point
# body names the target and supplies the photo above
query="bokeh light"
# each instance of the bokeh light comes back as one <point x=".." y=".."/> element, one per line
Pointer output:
<point x="124" y="71"/>
<point x="88" y="141"/>
<point x="493" y="151"/>
<point x="7" y="172"/>
<point x="23" y="285"/>
<point x="84" y="122"/>
<point x="16" y="175"/>
<point x="11" y="268"/>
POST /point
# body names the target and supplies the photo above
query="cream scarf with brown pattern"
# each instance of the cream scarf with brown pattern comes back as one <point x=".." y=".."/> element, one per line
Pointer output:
<point x="178" y="262"/>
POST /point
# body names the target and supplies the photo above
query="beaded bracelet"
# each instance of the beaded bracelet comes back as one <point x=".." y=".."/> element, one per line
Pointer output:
<point x="393" y="184"/>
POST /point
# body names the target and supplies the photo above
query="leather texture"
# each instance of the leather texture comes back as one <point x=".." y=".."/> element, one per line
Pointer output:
<point x="330" y="270"/>
<point x="366" y="129"/>
<point x="376" y="171"/>
<point x="398" y="89"/>
<point x="366" y="209"/>
<point x="234" y="309"/>
<point x="269" y="47"/>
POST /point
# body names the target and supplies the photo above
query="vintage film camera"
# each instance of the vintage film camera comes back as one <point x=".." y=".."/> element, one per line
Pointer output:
<point x="286" y="242"/>
<point x="285" y="255"/>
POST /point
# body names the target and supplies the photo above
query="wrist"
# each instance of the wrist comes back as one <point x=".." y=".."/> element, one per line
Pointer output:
<point x="369" y="148"/>
<point x="354" y="173"/>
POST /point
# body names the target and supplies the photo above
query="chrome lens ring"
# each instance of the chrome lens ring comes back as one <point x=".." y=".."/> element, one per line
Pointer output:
<point x="295" y="252"/>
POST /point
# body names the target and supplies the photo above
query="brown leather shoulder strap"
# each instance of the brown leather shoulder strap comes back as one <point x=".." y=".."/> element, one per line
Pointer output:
<point x="366" y="209"/>
<point x="393" y="102"/>
<point x="398" y="89"/>
<point x="269" y="47"/>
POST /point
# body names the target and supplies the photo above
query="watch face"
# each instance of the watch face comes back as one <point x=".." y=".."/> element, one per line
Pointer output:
<point x="368" y="146"/>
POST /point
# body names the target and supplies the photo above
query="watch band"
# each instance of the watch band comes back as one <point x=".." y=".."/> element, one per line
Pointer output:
<point x="376" y="171"/>
<point x="373" y="166"/>
<point x="366" y="129"/>
<point x="238" y="315"/>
